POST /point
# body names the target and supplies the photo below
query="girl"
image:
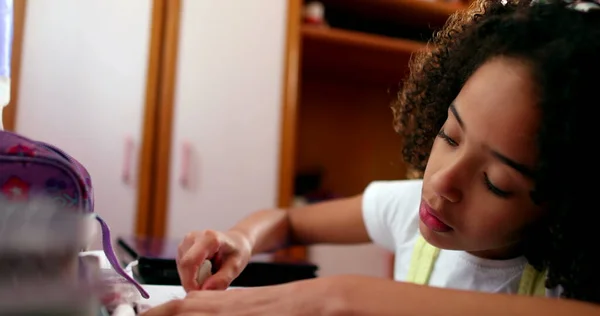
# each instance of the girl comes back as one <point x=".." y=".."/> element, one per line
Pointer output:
<point x="491" y="115"/>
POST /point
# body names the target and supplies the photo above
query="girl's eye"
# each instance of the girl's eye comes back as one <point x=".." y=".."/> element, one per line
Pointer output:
<point x="488" y="184"/>
<point x="447" y="138"/>
<point x="494" y="189"/>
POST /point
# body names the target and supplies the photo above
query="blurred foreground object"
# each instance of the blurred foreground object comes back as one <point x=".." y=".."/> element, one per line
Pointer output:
<point x="47" y="220"/>
<point x="38" y="239"/>
<point x="40" y="269"/>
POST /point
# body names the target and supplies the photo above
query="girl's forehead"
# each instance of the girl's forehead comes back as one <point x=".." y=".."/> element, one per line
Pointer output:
<point x="498" y="107"/>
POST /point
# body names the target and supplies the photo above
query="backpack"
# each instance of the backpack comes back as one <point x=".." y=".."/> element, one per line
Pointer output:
<point x="31" y="168"/>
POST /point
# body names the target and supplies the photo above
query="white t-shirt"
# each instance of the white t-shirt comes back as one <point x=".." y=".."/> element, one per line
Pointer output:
<point x="390" y="212"/>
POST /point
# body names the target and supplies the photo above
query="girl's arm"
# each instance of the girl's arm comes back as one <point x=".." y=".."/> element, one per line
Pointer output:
<point x="370" y="296"/>
<point x="358" y="296"/>
<point x="338" y="221"/>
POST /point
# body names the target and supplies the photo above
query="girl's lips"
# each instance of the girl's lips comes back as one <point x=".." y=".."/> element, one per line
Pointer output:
<point x="426" y="213"/>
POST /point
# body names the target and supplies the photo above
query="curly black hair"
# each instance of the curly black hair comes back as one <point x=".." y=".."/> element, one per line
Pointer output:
<point x="562" y="48"/>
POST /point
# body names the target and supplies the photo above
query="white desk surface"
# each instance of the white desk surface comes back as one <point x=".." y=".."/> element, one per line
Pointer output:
<point x="160" y="294"/>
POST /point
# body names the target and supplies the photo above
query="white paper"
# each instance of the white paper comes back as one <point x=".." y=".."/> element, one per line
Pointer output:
<point x="160" y="294"/>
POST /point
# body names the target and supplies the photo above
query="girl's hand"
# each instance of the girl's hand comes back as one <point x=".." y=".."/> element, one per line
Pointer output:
<point x="229" y="252"/>
<point x="304" y="298"/>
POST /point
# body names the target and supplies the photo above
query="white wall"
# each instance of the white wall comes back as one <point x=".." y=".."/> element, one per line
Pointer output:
<point x="82" y="88"/>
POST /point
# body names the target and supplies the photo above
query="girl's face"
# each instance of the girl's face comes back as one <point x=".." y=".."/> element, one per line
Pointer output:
<point x="476" y="188"/>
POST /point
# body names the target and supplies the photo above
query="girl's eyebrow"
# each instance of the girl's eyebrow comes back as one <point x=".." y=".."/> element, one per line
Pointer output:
<point x="456" y="116"/>
<point x="520" y="167"/>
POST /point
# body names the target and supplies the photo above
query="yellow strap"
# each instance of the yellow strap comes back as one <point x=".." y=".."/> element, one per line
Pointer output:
<point x="533" y="283"/>
<point x="422" y="261"/>
<point x="424" y="257"/>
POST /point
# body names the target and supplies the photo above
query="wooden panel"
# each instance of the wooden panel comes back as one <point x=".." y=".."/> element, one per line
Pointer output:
<point x="147" y="161"/>
<point x="291" y="83"/>
<point x="10" y="111"/>
<point x="346" y="130"/>
<point x="287" y="151"/>
<point x="165" y="110"/>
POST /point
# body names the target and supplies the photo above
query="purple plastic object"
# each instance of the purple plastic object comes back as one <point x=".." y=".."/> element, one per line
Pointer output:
<point x="31" y="168"/>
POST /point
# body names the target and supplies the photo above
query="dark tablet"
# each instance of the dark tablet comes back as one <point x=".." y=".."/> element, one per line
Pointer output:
<point x="157" y="265"/>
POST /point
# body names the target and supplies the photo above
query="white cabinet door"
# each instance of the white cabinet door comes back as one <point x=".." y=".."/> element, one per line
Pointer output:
<point x="82" y="88"/>
<point x="228" y="92"/>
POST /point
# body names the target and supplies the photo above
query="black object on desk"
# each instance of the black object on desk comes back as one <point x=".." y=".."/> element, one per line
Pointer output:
<point x="156" y="265"/>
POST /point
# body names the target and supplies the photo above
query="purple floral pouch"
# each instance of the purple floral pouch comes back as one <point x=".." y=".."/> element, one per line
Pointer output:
<point x="31" y="168"/>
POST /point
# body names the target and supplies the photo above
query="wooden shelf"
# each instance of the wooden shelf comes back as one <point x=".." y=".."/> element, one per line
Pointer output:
<point x="415" y="13"/>
<point x="348" y="54"/>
